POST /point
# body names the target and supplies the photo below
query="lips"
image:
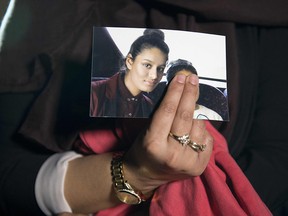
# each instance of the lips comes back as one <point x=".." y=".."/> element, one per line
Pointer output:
<point x="151" y="82"/>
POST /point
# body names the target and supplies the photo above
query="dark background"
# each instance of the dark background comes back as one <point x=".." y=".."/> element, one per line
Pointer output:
<point x="45" y="66"/>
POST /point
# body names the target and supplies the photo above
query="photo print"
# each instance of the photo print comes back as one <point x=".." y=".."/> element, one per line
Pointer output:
<point x="131" y="68"/>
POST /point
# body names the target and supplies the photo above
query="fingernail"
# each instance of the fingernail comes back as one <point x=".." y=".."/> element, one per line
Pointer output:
<point x="193" y="79"/>
<point x="180" y="78"/>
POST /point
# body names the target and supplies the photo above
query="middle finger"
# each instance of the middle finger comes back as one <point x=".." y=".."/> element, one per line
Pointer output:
<point x="183" y="119"/>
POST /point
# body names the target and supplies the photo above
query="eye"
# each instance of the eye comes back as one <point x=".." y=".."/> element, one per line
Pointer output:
<point x="160" y="69"/>
<point x="147" y="65"/>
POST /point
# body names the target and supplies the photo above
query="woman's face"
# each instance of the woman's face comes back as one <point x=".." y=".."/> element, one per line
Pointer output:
<point x="145" y="71"/>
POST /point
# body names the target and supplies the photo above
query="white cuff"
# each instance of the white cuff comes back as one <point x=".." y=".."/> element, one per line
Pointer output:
<point x="49" y="186"/>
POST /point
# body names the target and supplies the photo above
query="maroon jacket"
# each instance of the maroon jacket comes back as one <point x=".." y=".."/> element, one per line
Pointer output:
<point x="111" y="98"/>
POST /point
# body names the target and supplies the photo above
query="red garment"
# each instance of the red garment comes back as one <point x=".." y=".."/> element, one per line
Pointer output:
<point x="222" y="189"/>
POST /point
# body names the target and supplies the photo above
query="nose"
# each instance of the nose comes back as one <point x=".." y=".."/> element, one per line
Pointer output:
<point x="153" y="73"/>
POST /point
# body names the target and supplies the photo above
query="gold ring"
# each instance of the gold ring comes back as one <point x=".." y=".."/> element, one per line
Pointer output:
<point x="197" y="147"/>
<point x="183" y="140"/>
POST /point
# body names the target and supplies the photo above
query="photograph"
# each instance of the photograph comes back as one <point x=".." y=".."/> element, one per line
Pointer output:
<point x="143" y="108"/>
<point x="132" y="67"/>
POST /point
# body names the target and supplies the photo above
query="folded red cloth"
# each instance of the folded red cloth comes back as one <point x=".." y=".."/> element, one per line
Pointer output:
<point x="222" y="189"/>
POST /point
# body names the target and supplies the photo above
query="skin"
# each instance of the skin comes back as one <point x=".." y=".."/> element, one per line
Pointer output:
<point x="187" y="73"/>
<point x="145" y="71"/>
<point x="154" y="159"/>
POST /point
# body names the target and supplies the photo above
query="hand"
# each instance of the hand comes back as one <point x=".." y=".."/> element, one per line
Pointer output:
<point x="156" y="158"/>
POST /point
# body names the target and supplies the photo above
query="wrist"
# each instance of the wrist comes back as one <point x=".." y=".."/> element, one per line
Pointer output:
<point x="124" y="190"/>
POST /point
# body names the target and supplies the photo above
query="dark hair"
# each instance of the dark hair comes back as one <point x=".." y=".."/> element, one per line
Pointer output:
<point x="150" y="38"/>
<point x="178" y="65"/>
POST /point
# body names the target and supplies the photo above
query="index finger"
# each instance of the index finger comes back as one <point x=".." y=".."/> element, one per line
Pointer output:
<point x="164" y="116"/>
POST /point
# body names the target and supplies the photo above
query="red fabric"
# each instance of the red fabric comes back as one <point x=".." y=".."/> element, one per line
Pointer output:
<point x="222" y="189"/>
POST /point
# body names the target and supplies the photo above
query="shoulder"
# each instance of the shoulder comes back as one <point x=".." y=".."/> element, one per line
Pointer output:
<point x="99" y="83"/>
<point x="111" y="81"/>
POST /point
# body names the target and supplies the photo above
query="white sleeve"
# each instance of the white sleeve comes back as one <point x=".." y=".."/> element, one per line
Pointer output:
<point x="49" y="186"/>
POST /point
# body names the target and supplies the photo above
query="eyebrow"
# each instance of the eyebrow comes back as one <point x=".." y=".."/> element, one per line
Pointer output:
<point x="164" y="65"/>
<point x="148" y="60"/>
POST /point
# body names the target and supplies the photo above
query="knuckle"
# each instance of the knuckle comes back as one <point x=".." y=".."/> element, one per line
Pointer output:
<point x="186" y="115"/>
<point x="169" y="108"/>
<point x="199" y="124"/>
<point x="209" y="139"/>
<point x="151" y="146"/>
<point x="171" y="161"/>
